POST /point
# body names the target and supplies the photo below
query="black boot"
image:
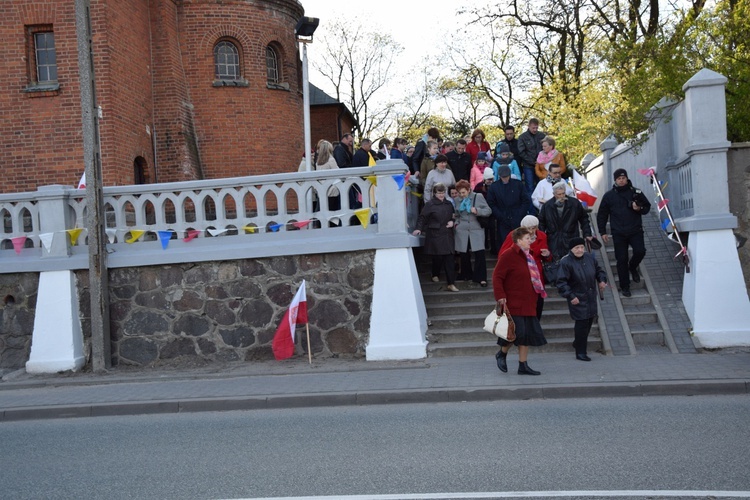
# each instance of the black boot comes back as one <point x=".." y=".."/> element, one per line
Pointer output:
<point x="524" y="369"/>
<point x="501" y="361"/>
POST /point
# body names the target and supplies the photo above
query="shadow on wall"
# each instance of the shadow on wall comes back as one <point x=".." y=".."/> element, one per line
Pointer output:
<point x="738" y="158"/>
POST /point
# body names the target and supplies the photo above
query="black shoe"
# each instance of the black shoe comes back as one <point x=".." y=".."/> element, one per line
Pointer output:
<point x="524" y="369"/>
<point x="582" y="357"/>
<point x="635" y="275"/>
<point x="626" y="292"/>
<point x="502" y="362"/>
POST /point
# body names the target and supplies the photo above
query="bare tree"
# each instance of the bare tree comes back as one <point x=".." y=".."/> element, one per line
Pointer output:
<point x="356" y="62"/>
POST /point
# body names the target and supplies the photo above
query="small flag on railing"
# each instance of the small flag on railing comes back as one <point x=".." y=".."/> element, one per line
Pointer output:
<point x="250" y="229"/>
<point x="275" y="227"/>
<point x="283" y="339"/>
<point x="662" y="204"/>
<point x="584" y="192"/>
<point x="135" y="234"/>
<point x="46" y="239"/>
<point x="302" y="223"/>
<point x="82" y="182"/>
<point x="646" y="171"/>
<point x="18" y="243"/>
<point x="164" y="237"/>
<point x="111" y="234"/>
<point x="217" y="232"/>
<point x="399" y="180"/>
<point x="74" y="234"/>
<point x="191" y="235"/>
<point x="363" y="214"/>
<point x="373" y="180"/>
<point x="665" y="224"/>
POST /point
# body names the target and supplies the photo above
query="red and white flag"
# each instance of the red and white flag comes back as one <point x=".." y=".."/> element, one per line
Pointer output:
<point x="283" y="339"/>
<point x="82" y="182"/>
<point x="584" y="192"/>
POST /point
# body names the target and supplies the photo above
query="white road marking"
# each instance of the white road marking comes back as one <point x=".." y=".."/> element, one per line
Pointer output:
<point x="527" y="494"/>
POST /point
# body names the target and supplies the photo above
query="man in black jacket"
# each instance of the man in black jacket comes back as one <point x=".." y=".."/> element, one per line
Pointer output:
<point x="342" y="153"/>
<point x="509" y="203"/>
<point x="460" y="161"/>
<point x="623" y="206"/>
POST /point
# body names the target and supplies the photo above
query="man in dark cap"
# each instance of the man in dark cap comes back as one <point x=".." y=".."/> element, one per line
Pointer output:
<point x="623" y="206"/>
<point x="509" y="202"/>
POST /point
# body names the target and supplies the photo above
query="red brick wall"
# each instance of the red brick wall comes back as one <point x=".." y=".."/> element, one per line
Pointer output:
<point x="244" y="130"/>
<point x="39" y="132"/>
<point x="154" y="68"/>
<point x="324" y="123"/>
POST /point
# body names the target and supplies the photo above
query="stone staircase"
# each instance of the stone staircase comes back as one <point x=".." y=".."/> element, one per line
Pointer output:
<point x="455" y="319"/>
<point x="641" y="316"/>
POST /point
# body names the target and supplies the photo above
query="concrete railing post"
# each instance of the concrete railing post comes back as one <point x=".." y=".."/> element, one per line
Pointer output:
<point x="607" y="146"/>
<point x="714" y="292"/>
<point x="54" y="217"/>
<point x="390" y="199"/>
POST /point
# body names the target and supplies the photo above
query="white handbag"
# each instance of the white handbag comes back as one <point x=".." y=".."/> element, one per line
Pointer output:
<point x="501" y="325"/>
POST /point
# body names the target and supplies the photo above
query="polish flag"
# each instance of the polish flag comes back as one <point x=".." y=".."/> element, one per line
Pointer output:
<point x="283" y="339"/>
<point x="584" y="192"/>
<point x="82" y="182"/>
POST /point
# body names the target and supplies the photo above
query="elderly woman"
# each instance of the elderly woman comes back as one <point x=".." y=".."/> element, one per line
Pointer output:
<point x="436" y="221"/>
<point x="469" y="234"/>
<point x="539" y="250"/>
<point x="547" y="156"/>
<point x="517" y="282"/>
<point x="577" y="282"/>
<point x="560" y="218"/>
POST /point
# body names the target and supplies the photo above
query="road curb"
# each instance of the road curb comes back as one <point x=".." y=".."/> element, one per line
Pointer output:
<point x="438" y="395"/>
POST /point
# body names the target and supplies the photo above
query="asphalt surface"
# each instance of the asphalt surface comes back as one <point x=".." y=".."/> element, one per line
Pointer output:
<point x="339" y="382"/>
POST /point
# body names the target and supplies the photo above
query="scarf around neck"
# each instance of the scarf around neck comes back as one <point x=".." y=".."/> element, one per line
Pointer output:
<point x="546" y="157"/>
<point x="536" y="277"/>
<point x="465" y="205"/>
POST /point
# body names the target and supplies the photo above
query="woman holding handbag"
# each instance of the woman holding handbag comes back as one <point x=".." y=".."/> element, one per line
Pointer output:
<point x="470" y="234"/>
<point x="517" y="283"/>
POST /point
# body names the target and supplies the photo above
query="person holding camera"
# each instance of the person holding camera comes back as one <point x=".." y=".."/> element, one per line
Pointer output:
<point x="624" y="206"/>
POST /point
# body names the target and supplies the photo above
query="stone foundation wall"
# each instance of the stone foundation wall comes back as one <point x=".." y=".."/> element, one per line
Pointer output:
<point x="18" y="293"/>
<point x="738" y="160"/>
<point x="199" y="313"/>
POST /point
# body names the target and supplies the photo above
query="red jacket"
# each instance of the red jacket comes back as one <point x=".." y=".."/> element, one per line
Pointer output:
<point x="473" y="149"/>
<point x="511" y="280"/>
<point x="536" y="249"/>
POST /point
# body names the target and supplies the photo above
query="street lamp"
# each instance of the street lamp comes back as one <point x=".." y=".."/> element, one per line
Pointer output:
<point x="304" y="30"/>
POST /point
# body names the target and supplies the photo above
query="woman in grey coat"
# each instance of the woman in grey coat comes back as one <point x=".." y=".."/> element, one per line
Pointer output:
<point x="577" y="281"/>
<point x="469" y="234"/>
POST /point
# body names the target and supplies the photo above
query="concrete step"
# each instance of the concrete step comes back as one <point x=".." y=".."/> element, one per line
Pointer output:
<point x="480" y="304"/>
<point x="641" y="317"/>
<point x="490" y="348"/>
<point x="648" y="337"/>
<point x="467" y="295"/>
<point x="554" y="319"/>
<point x="473" y="331"/>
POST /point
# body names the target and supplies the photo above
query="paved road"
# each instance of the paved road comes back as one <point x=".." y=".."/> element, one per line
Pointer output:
<point x="654" y="443"/>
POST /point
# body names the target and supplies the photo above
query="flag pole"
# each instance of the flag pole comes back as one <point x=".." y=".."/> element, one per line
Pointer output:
<point x="309" y="348"/>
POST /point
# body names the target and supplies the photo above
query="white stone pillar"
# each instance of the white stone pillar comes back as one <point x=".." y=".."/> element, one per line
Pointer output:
<point x="57" y="340"/>
<point x="398" y="324"/>
<point x="713" y="292"/>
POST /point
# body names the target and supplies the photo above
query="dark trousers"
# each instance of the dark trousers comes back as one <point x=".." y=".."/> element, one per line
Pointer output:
<point x="502" y="233"/>
<point x="490" y="237"/>
<point x="624" y="266"/>
<point x="539" y="307"/>
<point x="479" y="272"/>
<point x="582" y="329"/>
<point x="447" y="263"/>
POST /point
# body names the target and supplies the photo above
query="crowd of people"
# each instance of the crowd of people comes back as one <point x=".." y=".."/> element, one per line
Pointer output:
<point x="511" y="200"/>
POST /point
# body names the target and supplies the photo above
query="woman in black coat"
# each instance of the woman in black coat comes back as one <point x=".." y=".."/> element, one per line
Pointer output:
<point x="577" y="282"/>
<point x="436" y="221"/>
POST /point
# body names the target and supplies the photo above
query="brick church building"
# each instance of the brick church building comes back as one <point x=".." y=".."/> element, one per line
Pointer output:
<point x="188" y="89"/>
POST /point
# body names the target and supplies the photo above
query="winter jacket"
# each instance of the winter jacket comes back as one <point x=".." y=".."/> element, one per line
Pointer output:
<point x="474" y="149"/>
<point x="432" y="222"/>
<point x="342" y="155"/>
<point x="511" y="280"/>
<point x="542" y="169"/>
<point x="468" y="229"/>
<point x="536" y="248"/>
<point x="579" y="278"/>
<point x="477" y="174"/>
<point x="509" y="202"/>
<point x="529" y="146"/>
<point x="561" y="229"/>
<point x="435" y="177"/>
<point x="617" y="207"/>
<point x="460" y="164"/>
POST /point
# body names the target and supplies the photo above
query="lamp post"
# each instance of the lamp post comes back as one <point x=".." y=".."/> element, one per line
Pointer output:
<point x="304" y="30"/>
